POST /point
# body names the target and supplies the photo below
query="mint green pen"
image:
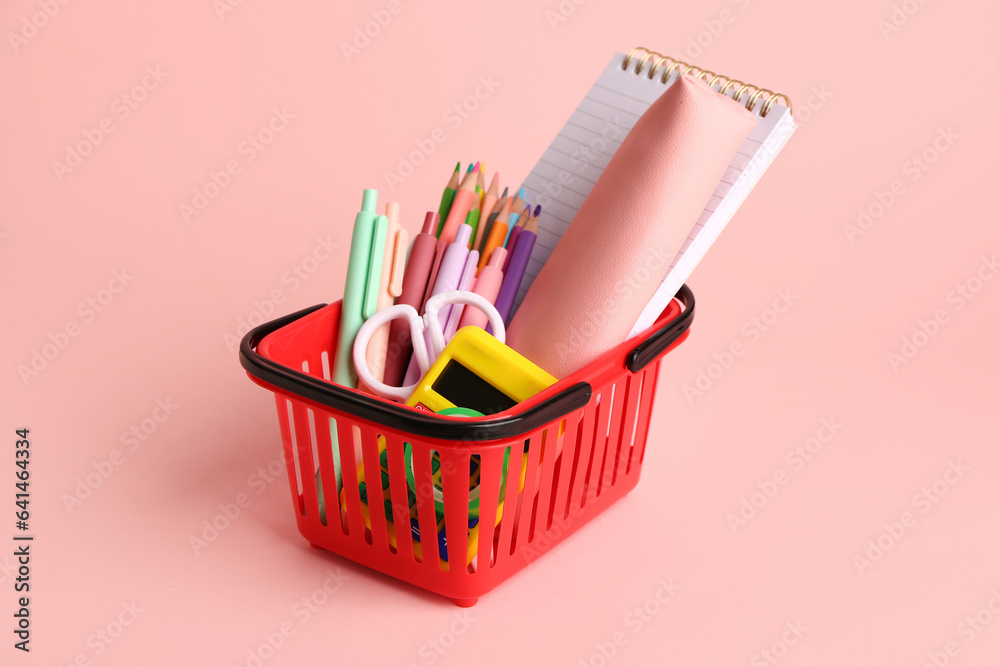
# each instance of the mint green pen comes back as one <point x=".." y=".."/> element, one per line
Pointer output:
<point x="364" y="270"/>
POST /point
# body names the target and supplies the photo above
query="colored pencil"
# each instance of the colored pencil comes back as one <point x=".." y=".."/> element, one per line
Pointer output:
<point x="448" y="196"/>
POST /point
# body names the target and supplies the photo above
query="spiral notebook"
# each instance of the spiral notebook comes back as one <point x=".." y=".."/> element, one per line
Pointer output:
<point x="570" y="166"/>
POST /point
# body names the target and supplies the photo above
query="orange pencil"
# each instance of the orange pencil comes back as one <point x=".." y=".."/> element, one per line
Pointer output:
<point x="486" y="208"/>
<point x="464" y="197"/>
<point x="498" y="232"/>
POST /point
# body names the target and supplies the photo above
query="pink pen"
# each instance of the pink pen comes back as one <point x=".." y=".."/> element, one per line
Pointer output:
<point x="487" y="286"/>
<point x="468" y="279"/>
<point x="449" y="277"/>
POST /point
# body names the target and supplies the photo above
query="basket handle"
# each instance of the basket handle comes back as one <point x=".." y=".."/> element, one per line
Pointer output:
<point x="393" y="415"/>
<point x="657" y="343"/>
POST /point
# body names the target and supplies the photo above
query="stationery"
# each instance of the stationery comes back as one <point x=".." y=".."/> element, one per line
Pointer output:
<point x="364" y="271"/>
<point x="468" y="280"/>
<point x="514" y="271"/>
<point x="491" y="219"/>
<point x="448" y="196"/>
<point x="418" y="268"/>
<point x="486" y="207"/>
<point x="610" y="260"/>
<point x="479" y="372"/>
<point x="571" y="165"/>
<point x="487" y="286"/>
<point x="497" y="233"/>
<point x="390" y="287"/>
<point x="426" y="333"/>
<point x="464" y="198"/>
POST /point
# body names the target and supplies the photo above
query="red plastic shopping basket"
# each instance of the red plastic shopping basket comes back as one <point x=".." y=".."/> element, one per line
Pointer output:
<point x="579" y="447"/>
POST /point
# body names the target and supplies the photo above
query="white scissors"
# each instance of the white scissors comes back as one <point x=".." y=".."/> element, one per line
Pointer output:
<point x="420" y="327"/>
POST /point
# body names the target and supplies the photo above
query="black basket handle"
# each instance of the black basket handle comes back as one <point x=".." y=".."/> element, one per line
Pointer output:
<point x="393" y="415"/>
<point x="649" y="349"/>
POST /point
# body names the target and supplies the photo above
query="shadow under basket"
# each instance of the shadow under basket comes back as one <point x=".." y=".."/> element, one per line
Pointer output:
<point x="578" y="447"/>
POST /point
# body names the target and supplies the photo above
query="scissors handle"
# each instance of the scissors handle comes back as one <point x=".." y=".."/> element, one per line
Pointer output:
<point x="371" y="325"/>
<point x="432" y="321"/>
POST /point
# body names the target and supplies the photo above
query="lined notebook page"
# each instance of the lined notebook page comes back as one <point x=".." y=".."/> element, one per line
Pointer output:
<point x="570" y="166"/>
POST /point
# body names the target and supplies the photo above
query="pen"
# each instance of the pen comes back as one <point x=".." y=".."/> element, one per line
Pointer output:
<point x="418" y="269"/>
<point x="390" y="286"/>
<point x="364" y="270"/>
<point x="487" y="286"/>
<point x="465" y="285"/>
<point x="449" y="276"/>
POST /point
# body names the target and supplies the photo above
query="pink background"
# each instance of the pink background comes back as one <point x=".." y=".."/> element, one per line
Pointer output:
<point x="867" y="102"/>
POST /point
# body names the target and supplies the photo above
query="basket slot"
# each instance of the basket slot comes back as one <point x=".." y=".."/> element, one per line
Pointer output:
<point x="562" y="473"/>
<point x="291" y="456"/>
<point x="633" y="393"/>
<point x="581" y="460"/>
<point x="489" y="494"/>
<point x="510" y="499"/>
<point x="604" y="402"/>
<point x="326" y="478"/>
<point x="613" y="437"/>
<point x="305" y="465"/>
<point x="316" y="475"/>
<point x="373" y="482"/>
<point x="650" y="377"/>
<point x="455" y="494"/>
<point x="345" y="438"/>
<point x="400" y="498"/>
<point x="426" y="517"/>
<point x="550" y="450"/>
<point x="523" y="524"/>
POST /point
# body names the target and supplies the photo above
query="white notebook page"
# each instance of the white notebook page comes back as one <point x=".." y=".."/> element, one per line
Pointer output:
<point x="570" y="166"/>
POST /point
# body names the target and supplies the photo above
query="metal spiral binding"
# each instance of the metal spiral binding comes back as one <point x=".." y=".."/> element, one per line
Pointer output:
<point x="671" y="65"/>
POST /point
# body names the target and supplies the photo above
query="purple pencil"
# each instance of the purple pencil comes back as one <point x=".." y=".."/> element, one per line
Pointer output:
<point x="514" y="233"/>
<point x="516" y="266"/>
